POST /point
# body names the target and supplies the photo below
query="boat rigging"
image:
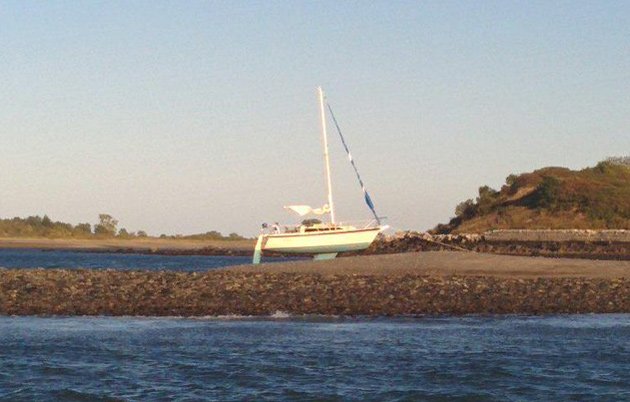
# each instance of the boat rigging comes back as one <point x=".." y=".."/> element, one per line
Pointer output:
<point x="312" y="237"/>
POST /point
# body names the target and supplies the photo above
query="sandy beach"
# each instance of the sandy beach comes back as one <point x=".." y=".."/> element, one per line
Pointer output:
<point x="448" y="263"/>
<point x="405" y="284"/>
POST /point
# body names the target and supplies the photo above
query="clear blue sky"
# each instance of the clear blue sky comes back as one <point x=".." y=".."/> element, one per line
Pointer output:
<point x="183" y="117"/>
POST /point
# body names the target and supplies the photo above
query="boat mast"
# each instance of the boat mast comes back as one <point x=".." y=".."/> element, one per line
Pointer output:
<point x="326" y="157"/>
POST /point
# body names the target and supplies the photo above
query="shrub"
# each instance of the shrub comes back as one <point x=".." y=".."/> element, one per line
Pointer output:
<point x="547" y="193"/>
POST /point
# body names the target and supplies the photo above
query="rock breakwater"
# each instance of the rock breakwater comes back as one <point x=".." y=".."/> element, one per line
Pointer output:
<point x="548" y="244"/>
<point x="559" y="235"/>
<point x="299" y="289"/>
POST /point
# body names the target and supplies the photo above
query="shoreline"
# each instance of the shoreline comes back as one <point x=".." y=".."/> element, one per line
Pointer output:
<point x="428" y="283"/>
<point x="137" y="246"/>
<point x="397" y="244"/>
<point x="115" y="243"/>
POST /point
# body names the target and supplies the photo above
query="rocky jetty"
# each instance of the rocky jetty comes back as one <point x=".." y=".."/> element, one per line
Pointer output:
<point x="588" y="244"/>
<point x="410" y="284"/>
<point x="559" y="235"/>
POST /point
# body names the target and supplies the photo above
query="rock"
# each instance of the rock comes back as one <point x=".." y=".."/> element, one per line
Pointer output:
<point x="85" y="292"/>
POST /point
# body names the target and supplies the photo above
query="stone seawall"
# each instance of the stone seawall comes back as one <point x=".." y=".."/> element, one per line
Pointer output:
<point x="441" y="283"/>
<point x="559" y="235"/>
<point x="518" y="243"/>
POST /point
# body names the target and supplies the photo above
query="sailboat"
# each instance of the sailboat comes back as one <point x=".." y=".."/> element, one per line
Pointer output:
<point x="323" y="240"/>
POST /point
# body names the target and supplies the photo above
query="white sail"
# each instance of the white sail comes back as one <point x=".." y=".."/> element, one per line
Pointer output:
<point x="306" y="209"/>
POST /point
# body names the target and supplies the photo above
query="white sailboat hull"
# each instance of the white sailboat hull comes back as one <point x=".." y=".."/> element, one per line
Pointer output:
<point x="323" y="241"/>
<point x="320" y="242"/>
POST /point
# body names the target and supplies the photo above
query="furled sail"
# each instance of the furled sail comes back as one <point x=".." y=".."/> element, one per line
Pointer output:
<point x="305" y="209"/>
<point x="366" y="195"/>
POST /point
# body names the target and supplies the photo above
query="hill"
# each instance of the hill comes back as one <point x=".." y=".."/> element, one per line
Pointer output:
<point x="550" y="198"/>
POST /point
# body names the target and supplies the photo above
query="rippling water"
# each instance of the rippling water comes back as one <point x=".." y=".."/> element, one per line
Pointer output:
<point x="519" y="358"/>
<point x="33" y="258"/>
<point x="315" y="358"/>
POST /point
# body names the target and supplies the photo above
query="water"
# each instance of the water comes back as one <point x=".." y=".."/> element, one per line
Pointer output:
<point x="302" y="358"/>
<point x="33" y="258"/>
<point x="584" y="357"/>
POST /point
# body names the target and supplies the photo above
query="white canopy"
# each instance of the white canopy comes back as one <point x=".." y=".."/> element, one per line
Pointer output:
<point x="305" y="209"/>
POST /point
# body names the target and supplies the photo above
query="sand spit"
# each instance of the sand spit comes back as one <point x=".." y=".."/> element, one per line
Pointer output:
<point x="407" y="284"/>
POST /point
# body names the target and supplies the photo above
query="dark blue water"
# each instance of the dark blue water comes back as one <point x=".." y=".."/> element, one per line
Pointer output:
<point x="292" y="358"/>
<point x="33" y="258"/>
<point x="472" y="358"/>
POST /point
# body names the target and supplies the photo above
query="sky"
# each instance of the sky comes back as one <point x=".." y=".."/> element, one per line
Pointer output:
<point x="185" y="117"/>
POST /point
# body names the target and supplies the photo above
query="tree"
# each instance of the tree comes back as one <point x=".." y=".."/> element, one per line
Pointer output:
<point x="548" y="192"/>
<point x="511" y="184"/>
<point x="83" y="229"/>
<point x="46" y="222"/>
<point x="486" y="200"/>
<point x="142" y="233"/>
<point x="106" y="226"/>
<point x="31" y="220"/>
<point x="511" y="180"/>
<point x="122" y="233"/>
<point x="466" y="209"/>
<point x="213" y="234"/>
<point x="619" y="160"/>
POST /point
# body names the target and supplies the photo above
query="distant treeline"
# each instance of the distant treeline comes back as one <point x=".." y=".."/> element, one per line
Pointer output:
<point x="107" y="227"/>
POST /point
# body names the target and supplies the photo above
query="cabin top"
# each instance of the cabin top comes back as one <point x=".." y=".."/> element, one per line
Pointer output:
<point x="321" y="227"/>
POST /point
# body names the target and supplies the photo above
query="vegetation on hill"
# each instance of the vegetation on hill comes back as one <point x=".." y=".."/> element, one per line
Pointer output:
<point x="107" y="227"/>
<point x="551" y="198"/>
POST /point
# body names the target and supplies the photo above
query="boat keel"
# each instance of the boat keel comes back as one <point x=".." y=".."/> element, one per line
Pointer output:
<point x="326" y="256"/>
<point x="258" y="250"/>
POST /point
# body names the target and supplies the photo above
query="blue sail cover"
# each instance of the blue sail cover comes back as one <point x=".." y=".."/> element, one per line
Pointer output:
<point x="366" y="195"/>
<point x="369" y="203"/>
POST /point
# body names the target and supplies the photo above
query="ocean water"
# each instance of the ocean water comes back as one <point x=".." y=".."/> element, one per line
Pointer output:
<point x="580" y="357"/>
<point x="34" y="258"/>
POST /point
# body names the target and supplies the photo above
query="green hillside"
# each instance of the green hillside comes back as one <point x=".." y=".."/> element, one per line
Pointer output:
<point x="551" y="198"/>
